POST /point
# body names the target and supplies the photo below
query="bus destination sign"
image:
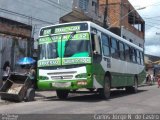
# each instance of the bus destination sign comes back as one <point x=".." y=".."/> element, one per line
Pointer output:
<point x="64" y="28"/>
<point x="67" y="29"/>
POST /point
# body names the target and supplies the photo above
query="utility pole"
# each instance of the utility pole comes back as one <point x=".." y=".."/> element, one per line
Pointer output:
<point x="30" y="38"/>
<point x="105" y="15"/>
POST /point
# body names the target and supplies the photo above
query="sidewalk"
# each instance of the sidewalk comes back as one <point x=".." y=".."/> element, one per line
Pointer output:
<point x="147" y="84"/>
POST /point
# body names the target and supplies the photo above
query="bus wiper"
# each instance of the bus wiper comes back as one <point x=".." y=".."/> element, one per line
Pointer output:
<point x="70" y="37"/>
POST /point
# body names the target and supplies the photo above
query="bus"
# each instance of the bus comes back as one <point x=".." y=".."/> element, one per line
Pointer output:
<point x="79" y="55"/>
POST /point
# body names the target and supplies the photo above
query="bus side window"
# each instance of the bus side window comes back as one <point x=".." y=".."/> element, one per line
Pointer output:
<point x="105" y="45"/>
<point x="142" y="59"/>
<point x="121" y="51"/>
<point x="114" y="48"/>
<point x="132" y="55"/>
<point x="138" y="57"/>
<point x="92" y="40"/>
<point x="96" y="44"/>
<point x="127" y="53"/>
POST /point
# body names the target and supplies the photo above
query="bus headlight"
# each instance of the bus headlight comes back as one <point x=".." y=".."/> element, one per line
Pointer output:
<point x="43" y="78"/>
<point x="82" y="83"/>
<point x="82" y="75"/>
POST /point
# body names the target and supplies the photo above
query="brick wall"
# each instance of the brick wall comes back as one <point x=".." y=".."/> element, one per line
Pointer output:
<point x="14" y="28"/>
<point x="115" y="15"/>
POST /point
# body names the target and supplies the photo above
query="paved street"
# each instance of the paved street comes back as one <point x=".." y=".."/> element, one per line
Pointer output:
<point x="145" y="101"/>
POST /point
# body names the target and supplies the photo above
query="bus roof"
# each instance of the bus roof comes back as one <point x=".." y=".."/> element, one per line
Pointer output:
<point x="100" y="29"/>
<point x="114" y="35"/>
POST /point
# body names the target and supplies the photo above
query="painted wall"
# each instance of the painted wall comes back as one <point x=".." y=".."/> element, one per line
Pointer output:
<point x="37" y="13"/>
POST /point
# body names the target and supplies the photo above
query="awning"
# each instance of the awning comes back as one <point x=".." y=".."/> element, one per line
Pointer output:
<point x="77" y="16"/>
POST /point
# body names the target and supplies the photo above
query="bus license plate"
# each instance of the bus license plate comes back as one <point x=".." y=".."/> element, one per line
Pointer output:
<point x="62" y="85"/>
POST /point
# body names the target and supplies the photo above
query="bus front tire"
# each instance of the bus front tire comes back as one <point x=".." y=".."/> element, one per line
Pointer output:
<point x="62" y="94"/>
<point x="104" y="92"/>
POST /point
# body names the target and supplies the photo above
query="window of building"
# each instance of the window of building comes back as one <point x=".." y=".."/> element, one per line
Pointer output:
<point x="124" y="37"/>
<point x="83" y="4"/>
<point x="136" y="21"/>
<point x="105" y="45"/>
<point x="131" y="40"/>
<point x="94" y="4"/>
<point x="114" y="48"/>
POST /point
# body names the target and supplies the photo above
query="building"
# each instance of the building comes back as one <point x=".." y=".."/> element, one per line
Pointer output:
<point x="14" y="41"/>
<point x="36" y="13"/>
<point x="152" y="64"/>
<point x="115" y="15"/>
<point x="123" y="19"/>
<point x="84" y="10"/>
<point x="21" y="20"/>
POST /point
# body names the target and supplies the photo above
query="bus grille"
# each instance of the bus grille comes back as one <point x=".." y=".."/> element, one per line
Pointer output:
<point x="62" y="77"/>
<point x="66" y="75"/>
<point x="61" y="73"/>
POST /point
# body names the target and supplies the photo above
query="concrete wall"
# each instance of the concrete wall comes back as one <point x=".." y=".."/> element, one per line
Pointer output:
<point x="37" y="13"/>
<point x="92" y="10"/>
<point x="131" y="36"/>
<point x="11" y="49"/>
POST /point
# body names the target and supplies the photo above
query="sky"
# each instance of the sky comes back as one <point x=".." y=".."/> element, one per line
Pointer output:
<point x="151" y="16"/>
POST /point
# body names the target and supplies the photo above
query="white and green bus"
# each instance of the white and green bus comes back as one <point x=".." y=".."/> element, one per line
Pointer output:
<point x="84" y="55"/>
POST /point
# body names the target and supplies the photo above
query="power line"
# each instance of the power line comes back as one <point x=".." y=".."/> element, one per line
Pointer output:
<point x="152" y="23"/>
<point x="154" y="4"/>
<point x="153" y="26"/>
<point x="151" y="17"/>
<point x="25" y="16"/>
<point x="152" y="20"/>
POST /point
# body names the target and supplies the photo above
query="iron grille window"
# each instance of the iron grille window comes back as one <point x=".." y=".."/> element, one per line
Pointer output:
<point x="83" y="4"/>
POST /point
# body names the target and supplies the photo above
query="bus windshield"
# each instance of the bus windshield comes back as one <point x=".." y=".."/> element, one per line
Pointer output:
<point x="48" y="51"/>
<point x="61" y="46"/>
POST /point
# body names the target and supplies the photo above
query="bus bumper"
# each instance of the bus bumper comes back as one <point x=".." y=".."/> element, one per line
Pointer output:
<point x="67" y="84"/>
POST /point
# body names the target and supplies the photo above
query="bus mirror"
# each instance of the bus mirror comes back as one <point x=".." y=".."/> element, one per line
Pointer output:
<point x="97" y="45"/>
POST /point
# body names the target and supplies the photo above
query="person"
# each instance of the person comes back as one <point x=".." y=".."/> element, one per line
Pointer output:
<point x="32" y="75"/>
<point x="148" y="79"/>
<point x="6" y="70"/>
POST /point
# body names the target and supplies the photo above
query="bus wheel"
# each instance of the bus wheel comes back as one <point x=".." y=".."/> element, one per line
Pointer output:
<point x="134" y="88"/>
<point x="62" y="94"/>
<point x="105" y="91"/>
<point x="91" y="89"/>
